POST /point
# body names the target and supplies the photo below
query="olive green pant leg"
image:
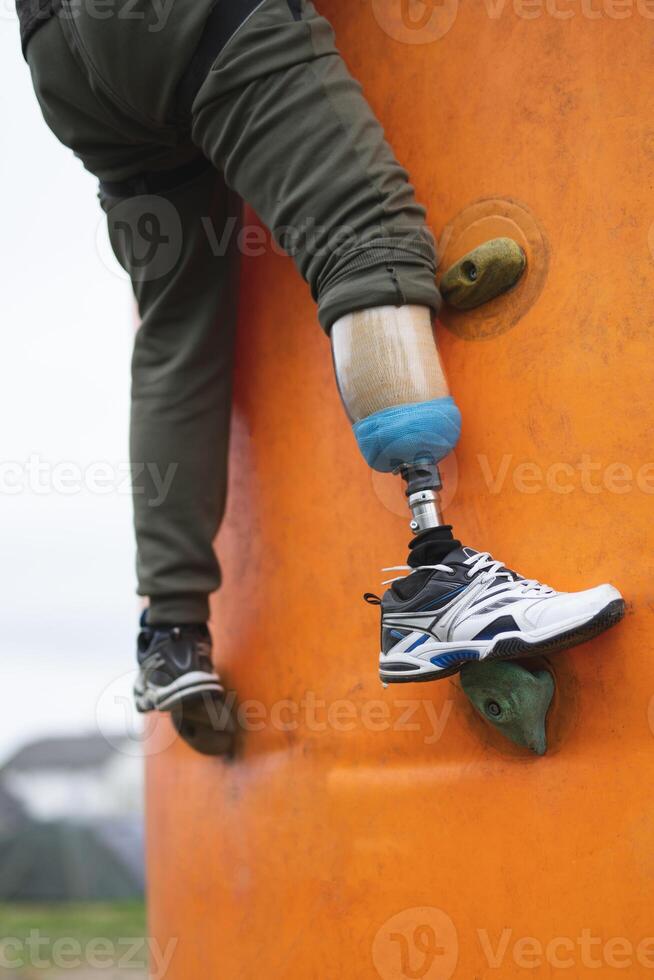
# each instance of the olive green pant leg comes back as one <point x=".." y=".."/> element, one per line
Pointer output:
<point x="180" y="249"/>
<point x="280" y="115"/>
<point x="181" y="384"/>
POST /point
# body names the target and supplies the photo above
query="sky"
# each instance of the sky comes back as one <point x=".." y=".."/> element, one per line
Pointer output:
<point x="68" y="609"/>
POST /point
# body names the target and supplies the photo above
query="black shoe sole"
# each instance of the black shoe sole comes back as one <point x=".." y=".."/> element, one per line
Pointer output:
<point x="435" y="675"/>
<point x="514" y="648"/>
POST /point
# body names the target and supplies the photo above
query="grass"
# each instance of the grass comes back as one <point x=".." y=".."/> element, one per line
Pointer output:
<point x="121" y="924"/>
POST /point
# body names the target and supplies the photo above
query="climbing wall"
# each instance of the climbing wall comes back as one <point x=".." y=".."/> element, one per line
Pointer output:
<point x="363" y="833"/>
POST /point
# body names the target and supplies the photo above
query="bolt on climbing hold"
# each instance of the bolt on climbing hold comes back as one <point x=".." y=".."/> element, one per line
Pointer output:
<point x="512" y="699"/>
<point x="483" y="274"/>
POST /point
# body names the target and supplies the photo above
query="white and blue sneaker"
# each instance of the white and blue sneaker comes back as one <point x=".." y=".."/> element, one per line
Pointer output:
<point x="471" y="608"/>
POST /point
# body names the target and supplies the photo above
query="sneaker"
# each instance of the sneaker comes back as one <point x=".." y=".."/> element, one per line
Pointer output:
<point x="175" y="666"/>
<point x="471" y="608"/>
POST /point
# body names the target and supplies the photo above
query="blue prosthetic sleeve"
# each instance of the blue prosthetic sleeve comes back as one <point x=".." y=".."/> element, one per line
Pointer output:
<point x="404" y="434"/>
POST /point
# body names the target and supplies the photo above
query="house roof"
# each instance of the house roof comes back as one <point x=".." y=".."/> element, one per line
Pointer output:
<point x="68" y="752"/>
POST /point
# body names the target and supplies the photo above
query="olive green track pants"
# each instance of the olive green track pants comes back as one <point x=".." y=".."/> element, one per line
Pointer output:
<point x="277" y="121"/>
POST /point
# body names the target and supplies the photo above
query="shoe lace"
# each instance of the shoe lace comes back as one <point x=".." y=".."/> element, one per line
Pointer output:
<point x="411" y="569"/>
<point x="483" y="563"/>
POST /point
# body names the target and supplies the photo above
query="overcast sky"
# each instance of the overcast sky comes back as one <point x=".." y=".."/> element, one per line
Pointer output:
<point x="68" y="611"/>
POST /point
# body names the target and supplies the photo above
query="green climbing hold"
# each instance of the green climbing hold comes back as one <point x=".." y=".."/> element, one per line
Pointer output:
<point x="483" y="274"/>
<point x="514" y="700"/>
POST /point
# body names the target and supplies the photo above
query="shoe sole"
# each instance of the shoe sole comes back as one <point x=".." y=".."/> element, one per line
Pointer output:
<point x="147" y="701"/>
<point x="515" y="648"/>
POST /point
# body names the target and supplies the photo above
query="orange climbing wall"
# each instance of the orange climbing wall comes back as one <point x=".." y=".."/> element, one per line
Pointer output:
<point x="363" y="833"/>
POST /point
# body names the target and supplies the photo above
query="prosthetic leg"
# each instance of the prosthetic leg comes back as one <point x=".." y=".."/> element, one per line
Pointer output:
<point x="394" y="391"/>
<point x="458" y="609"/>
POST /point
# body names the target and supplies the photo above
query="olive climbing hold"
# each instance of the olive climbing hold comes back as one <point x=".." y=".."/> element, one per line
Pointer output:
<point x="513" y="699"/>
<point x="207" y="723"/>
<point x="483" y="274"/>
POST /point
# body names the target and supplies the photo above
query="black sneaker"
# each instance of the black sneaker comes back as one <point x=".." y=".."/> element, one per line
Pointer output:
<point x="175" y="666"/>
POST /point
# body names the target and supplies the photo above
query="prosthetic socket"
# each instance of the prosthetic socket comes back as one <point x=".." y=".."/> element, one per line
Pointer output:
<point x="393" y="388"/>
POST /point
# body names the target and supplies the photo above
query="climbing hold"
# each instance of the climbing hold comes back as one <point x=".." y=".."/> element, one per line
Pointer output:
<point x="206" y="723"/>
<point x="483" y="274"/>
<point x="513" y="699"/>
